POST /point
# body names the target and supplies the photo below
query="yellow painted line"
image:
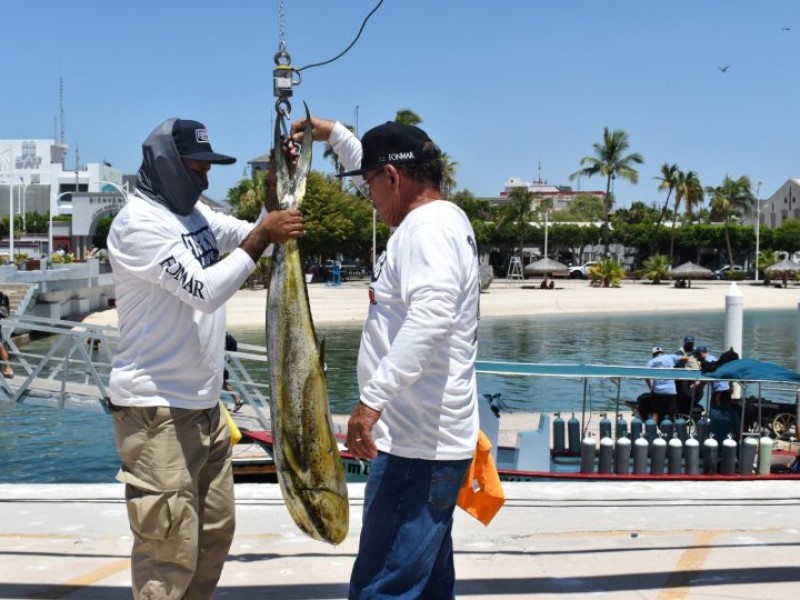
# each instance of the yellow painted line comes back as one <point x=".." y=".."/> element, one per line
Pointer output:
<point x="101" y="573"/>
<point x="62" y="590"/>
<point x="692" y="560"/>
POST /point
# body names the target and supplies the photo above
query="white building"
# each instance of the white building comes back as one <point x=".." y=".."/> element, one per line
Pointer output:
<point x="33" y="175"/>
<point x="560" y="196"/>
<point x="783" y="204"/>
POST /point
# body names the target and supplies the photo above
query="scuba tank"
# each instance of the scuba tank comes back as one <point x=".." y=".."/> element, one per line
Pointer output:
<point x="710" y="455"/>
<point x="675" y="455"/>
<point x="650" y="430"/>
<point x="622" y="457"/>
<point x="574" y="435"/>
<point x="666" y="428"/>
<point x="640" y="450"/>
<point x="764" y="455"/>
<point x="605" y="426"/>
<point x="587" y="454"/>
<point x="728" y="456"/>
<point x="606" y="466"/>
<point x="703" y="428"/>
<point x="692" y="452"/>
<point x="559" y="441"/>
<point x="622" y="426"/>
<point x="748" y="457"/>
<point x="682" y="427"/>
<point x="658" y="453"/>
<point x="636" y="427"/>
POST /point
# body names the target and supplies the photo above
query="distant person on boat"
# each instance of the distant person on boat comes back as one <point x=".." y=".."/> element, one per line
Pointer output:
<point x="663" y="400"/>
<point x="724" y="414"/>
<point x="689" y="393"/>
<point x="171" y="281"/>
<point x="417" y="415"/>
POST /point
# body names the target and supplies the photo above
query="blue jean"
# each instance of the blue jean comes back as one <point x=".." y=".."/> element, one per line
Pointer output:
<point x="406" y="547"/>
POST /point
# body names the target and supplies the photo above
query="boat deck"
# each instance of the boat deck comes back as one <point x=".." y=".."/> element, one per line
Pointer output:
<point x="638" y="540"/>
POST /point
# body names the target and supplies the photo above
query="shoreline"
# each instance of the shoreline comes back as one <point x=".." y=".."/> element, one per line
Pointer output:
<point x="348" y="303"/>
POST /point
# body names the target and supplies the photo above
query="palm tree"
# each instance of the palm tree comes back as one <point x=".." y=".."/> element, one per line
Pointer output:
<point x="693" y="193"/>
<point x="610" y="161"/>
<point x="733" y="199"/>
<point x="606" y="273"/>
<point x="689" y="191"/>
<point x="669" y="180"/>
<point x="406" y="116"/>
<point x="520" y="212"/>
<point x="656" y="268"/>
<point x="448" y="175"/>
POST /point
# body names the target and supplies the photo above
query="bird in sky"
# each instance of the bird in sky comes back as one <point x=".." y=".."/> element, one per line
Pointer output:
<point x="786" y="28"/>
<point x="725" y="68"/>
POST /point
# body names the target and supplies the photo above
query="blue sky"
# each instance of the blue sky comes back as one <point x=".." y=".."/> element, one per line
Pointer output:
<point x="501" y="85"/>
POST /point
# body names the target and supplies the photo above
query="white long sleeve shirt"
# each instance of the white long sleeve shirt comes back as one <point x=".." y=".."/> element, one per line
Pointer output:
<point x="171" y="287"/>
<point x="419" y="343"/>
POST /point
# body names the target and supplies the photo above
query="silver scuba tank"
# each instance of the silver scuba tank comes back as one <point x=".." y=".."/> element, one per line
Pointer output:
<point x="658" y="452"/>
<point x="675" y="455"/>
<point x="587" y="454"/>
<point x="691" y="450"/>
<point x="728" y="466"/>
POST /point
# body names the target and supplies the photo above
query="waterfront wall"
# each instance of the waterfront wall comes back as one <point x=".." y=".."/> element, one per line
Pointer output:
<point x="68" y="291"/>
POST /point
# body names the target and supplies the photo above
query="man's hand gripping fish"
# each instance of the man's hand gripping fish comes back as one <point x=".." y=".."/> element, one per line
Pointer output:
<point x="310" y="470"/>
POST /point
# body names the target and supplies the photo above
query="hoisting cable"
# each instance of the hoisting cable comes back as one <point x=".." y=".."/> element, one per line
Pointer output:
<point x="285" y="76"/>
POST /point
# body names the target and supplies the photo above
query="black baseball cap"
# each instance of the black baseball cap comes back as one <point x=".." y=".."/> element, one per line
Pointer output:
<point x="191" y="140"/>
<point x="392" y="143"/>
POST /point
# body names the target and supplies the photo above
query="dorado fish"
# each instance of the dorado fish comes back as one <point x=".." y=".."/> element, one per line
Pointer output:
<point x="310" y="470"/>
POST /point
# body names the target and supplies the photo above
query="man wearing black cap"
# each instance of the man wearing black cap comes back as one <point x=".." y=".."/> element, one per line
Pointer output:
<point x="171" y="285"/>
<point x="417" y="415"/>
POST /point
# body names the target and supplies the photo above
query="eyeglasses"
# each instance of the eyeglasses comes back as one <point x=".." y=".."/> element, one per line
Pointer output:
<point x="365" y="184"/>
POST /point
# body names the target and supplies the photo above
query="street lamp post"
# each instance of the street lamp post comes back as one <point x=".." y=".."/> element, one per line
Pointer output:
<point x="10" y="215"/>
<point x="758" y="223"/>
<point x="23" y="208"/>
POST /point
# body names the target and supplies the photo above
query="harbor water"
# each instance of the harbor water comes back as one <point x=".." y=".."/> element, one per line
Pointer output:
<point x="45" y="445"/>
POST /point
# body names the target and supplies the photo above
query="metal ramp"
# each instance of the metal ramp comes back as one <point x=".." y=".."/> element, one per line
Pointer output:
<point x="67" y="364"/>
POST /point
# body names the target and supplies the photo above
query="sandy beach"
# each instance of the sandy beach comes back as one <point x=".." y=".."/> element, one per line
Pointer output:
<point x="348" y="303"/>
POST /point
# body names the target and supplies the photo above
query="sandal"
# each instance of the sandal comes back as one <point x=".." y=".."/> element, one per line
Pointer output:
<point x="8" y="373"/>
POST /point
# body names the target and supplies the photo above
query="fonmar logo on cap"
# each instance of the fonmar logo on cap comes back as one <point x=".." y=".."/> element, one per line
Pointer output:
<point x="201" y="135"/>
<point x="392" y="143"/>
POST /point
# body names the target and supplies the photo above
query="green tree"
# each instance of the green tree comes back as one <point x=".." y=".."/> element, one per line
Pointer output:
<point x="787" y="236"/>
<point x="247" y="197"/>
<point x="656" y="268"/>
<point x="448" y="175"/>
<point x="606" y="273"/>
<point x="689" y="190"/>
<point x="610" y="161"/>
<point x="584" y="207"/>
<point x="406" y="116"/>
<point x="519" y="211"/>
<point x="669" y="181"/>
<point x="731" y="200"/>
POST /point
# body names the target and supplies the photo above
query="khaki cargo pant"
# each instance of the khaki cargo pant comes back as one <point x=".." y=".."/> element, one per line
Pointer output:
<point x="176" y="467"/>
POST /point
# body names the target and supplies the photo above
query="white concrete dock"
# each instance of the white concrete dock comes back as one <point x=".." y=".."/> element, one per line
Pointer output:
<point x="660" y="540"/>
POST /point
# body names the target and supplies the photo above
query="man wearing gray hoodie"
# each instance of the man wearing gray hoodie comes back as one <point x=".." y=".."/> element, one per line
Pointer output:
<point x="171" y="283"/>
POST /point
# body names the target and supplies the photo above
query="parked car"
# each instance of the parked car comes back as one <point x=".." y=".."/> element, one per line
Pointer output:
<point x="723" y="272"/>
<point x="581" y="271"/>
